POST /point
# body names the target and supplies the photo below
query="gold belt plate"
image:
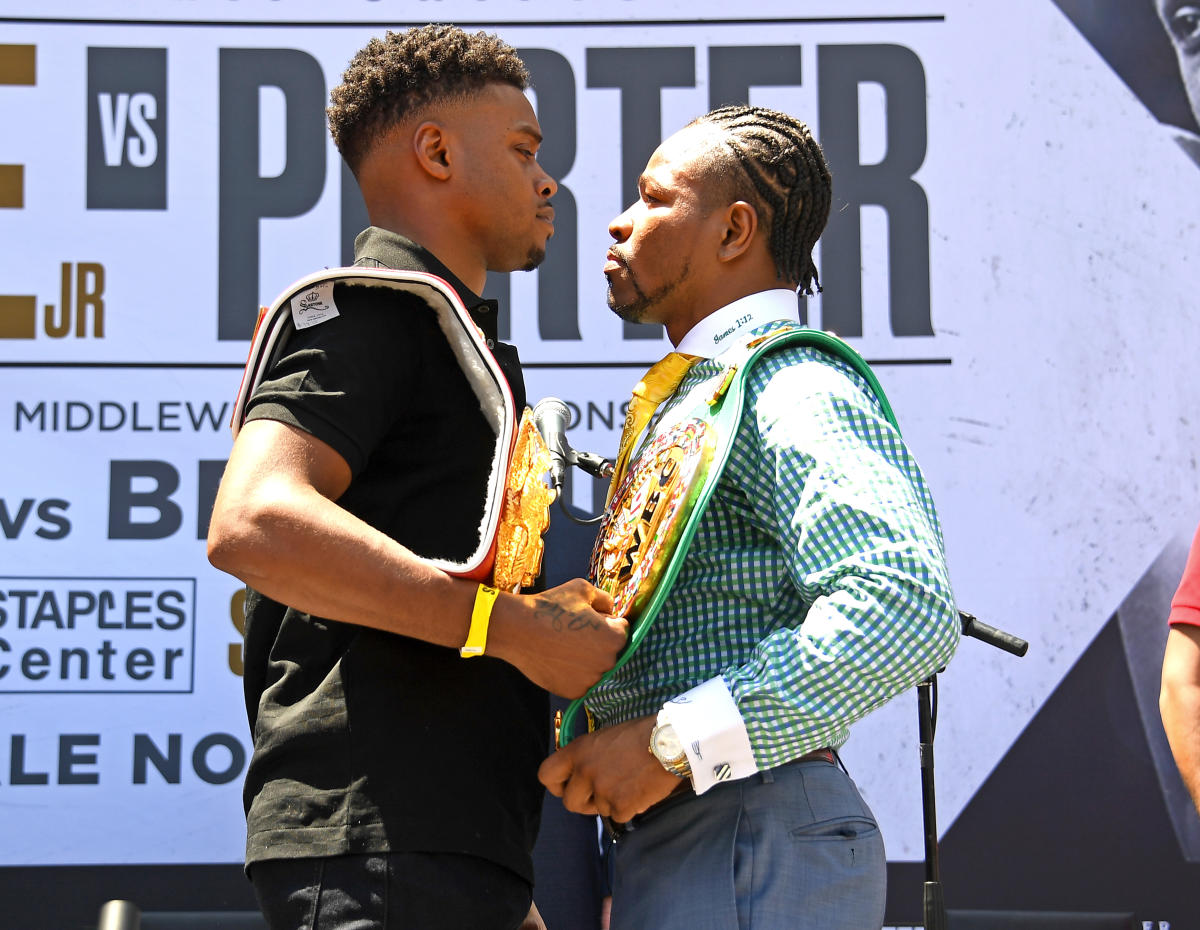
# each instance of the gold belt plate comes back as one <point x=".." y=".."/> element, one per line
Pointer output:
<point x="526" y="510"/>
<point x="648" y="512"/>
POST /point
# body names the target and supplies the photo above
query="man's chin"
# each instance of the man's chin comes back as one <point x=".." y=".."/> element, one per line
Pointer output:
<point x="630" y="313"/>
<point x="535" y="257"/>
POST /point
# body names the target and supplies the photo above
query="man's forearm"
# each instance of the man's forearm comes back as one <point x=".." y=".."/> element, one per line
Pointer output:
<point x="858" y="647"/>
<point x="305" y="551"/>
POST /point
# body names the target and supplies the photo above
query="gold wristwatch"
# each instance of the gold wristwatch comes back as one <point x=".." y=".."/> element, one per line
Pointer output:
<point x="668" y="750"/>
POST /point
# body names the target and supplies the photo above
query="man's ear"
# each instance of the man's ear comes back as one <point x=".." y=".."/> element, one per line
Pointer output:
<point x="741" y="226"/>
<point x="432" y="149"/>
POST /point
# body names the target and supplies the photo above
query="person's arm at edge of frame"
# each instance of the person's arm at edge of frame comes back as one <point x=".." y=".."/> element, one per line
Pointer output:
<point x="276" y="526"/>
<point x="1179" y="697"/>
<point x="1179" y="703"/>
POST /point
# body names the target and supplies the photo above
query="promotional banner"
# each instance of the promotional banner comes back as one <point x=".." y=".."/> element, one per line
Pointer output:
<point x="1016" y="188"/>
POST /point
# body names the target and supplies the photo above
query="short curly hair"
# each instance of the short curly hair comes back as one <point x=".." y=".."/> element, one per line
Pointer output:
<point x="393" y="77"/>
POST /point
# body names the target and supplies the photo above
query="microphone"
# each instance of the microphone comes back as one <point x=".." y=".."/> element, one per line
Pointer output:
<point x="551" y="416"/>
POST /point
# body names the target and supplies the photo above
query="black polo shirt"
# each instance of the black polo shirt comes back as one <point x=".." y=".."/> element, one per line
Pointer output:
<point x="367" y="741"/>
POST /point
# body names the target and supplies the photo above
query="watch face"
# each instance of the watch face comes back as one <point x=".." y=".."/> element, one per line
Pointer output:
<point x="666" y="744"/>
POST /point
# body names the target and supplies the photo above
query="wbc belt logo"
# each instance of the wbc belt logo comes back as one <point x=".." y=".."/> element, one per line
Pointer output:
<point x="648" y="513"/>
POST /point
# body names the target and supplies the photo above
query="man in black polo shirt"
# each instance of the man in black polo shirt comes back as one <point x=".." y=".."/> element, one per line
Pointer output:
<point x="393" y="783"/>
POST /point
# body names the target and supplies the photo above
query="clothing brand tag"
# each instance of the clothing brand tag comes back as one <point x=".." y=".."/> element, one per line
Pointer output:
<point x="315" y="305"/>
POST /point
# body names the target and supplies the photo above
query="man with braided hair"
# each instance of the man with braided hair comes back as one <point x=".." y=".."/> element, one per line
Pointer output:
<point x="393" y="781"/>
<point x="813" y="590"/>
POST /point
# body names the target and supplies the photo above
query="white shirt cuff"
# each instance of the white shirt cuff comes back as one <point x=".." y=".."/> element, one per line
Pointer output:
<point x="713" y="734"/>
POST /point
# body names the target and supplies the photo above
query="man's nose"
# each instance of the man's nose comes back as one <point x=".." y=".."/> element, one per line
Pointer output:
<point x="547" y="187"/>
<point x="621" y="226"/>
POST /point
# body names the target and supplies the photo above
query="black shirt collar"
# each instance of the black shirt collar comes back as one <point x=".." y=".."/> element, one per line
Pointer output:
<point x="376" y="247"/>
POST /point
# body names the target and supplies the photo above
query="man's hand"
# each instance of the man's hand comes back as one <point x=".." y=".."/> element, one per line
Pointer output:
<point x="562" y="639"/>
<point x="610" y="772"/>
<point x="533" y="920"/>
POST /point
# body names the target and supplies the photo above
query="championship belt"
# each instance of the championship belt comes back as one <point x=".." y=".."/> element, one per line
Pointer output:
<point x="656" y="510"/>
<point x="515" y="510"/>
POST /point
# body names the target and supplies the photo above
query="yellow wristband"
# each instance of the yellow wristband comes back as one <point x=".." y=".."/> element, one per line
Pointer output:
<point x="481" y="616"/>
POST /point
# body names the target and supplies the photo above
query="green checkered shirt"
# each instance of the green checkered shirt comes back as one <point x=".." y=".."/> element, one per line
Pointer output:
<point x="816" y="584"/>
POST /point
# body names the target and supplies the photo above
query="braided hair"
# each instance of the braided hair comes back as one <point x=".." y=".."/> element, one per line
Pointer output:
<point x="782" y="174"/>
<point x="393" y="77"/>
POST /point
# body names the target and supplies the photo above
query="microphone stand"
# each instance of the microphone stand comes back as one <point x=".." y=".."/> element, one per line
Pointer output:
<point x="933" y="901"/>
<point x="595" y="465"/>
